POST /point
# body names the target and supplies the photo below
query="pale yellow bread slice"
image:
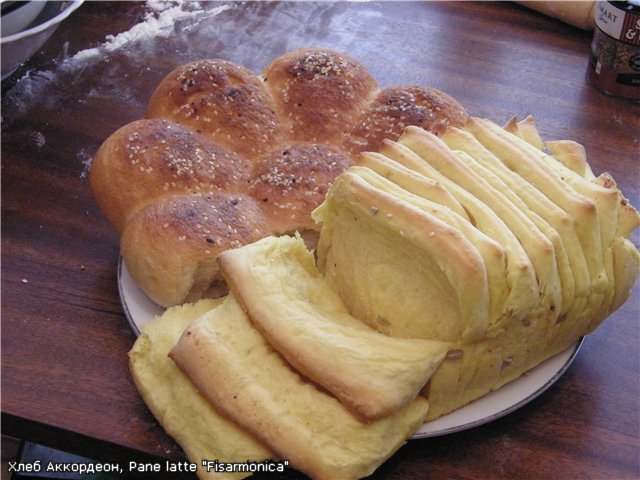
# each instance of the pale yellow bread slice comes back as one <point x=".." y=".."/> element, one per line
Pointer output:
<point x="529" y="227"/>
<point x="526" y="240"/>
<point x="604" y="199"/>
<point x="411" y="181"/>
<point x="491" y="251"/>
<point x="201" y="431"/>
<point x="628" y="218"/>
<point x="605" y="195"/>
<point x="582" y="210"/>
<point x="526" y="130"/>
<point x="616" y="216"/>
<point x="538" y="246"/>
<point x="279" y="286"/>
<point x="235" y="368"/>
<point x="626" y="265"/>
<point x="571" y="154"/>
<point x="404" y="257"/>
<point x="548" y="216"/>
<point x="520" y="292"/>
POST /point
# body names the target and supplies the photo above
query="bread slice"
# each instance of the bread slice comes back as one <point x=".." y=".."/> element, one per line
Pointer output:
<point x="201" y="431"/>
<point x="495" y="259"/>
<point x="531" y="230"/>
<point x="411" y="181"/>
<point x="582" y="210"/>
<point x="528" y="288"/>
<point x="526" y="130"/>
<point x="529" y="242"/>
<point x="572" y="155"/>
<point x="405" y="257"/>
<point x="604" y="199"/>
<point x="628" y="218"/>
<point x="626" y="264"/>
<point x="553" y="221"/>
<point x="306" y="322"/>
<point x="235" y="368"/>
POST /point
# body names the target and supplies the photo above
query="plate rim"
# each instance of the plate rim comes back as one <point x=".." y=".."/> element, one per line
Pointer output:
<point x="574" y="347"/>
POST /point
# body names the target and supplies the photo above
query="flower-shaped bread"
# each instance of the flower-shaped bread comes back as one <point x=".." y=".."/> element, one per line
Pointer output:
<point x="225" y="157"/>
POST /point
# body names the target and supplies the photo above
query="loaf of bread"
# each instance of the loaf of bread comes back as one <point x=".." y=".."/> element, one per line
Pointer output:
<point x="446" y="267"/>
<point x="225" y="156"/>
<point x="540" y="259"/>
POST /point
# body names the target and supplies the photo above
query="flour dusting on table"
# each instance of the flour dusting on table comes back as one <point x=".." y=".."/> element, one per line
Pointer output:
<point x="123" y="68"/>
<point x="160" y="20"/>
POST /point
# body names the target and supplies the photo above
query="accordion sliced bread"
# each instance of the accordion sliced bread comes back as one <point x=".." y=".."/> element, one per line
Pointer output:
<point x="443" y="272"/>
<point x="566" y="261"/>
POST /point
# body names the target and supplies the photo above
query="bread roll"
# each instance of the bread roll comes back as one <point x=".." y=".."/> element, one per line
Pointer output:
<point x="149" y="160"/>
<point x="290" y="183"/>
<point x="280" y="137"/>
<point x="395" y="108"/>
<point x="222" y="100"/>
<point x="318" y="94"/>
<point x="171" y="245"/>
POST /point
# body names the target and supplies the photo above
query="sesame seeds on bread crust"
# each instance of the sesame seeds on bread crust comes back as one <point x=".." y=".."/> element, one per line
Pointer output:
<point x="280" y="138"/>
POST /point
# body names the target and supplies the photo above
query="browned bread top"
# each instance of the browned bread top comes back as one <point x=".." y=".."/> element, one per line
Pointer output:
<point x="278" y="139"/>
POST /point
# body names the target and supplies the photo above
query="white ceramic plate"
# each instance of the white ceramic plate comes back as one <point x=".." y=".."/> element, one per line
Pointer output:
<point x="139" y="309"/>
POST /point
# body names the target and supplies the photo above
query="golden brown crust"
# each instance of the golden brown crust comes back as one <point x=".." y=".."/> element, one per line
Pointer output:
<point x="213" y="125"/>
<point x="396" y="108"/>
<point x="318" y="92"/>
<point x="222" y="100"/>
<point x="290" y="183"/>
<point x="197" y="228"/>
<point x="150" y="159"/>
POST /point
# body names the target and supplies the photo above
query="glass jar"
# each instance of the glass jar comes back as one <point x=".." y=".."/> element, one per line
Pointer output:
<point x="614" y="60"/>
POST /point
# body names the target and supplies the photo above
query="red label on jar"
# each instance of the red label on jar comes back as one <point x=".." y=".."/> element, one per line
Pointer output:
<point x="631" y="29"/>
<point x="615" y="51"/>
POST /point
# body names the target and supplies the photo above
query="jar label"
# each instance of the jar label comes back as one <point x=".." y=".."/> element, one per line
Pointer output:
<point x="621" y="25"/>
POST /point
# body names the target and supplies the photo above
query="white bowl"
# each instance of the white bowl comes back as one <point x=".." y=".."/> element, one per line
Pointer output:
<point x="16" y="16"/>
<point x="19" y="47"/>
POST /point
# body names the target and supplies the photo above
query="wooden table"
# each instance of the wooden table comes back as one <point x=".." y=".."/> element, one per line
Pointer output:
<point x="65" y="381"/>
